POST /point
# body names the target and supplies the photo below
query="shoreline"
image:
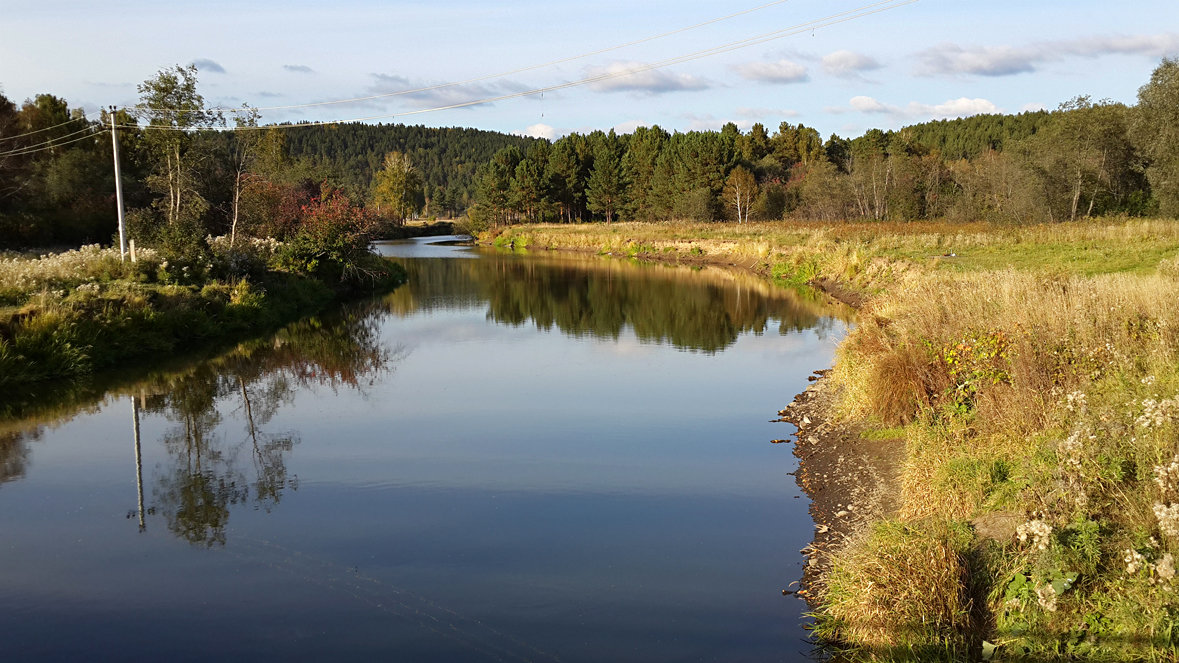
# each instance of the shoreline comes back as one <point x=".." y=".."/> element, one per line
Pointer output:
<point x="851" y="481"/>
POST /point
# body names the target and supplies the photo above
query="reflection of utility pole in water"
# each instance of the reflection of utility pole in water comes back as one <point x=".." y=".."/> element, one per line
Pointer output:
<point x="138" y="459"/>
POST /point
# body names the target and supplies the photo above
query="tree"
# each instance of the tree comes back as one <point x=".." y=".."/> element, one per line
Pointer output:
<point x="567" y="173"/>
<point x="1082" y="157"/>
<point x="493" y="183"/>
<point x="606" y="192"/>
<point x="396" y="187"/>
<point x="740" y="191"/>
<point x="825" y="192"/>
<point x="1156" y="133"/>
<point x="246" y="145"/>
<point x="173" y="109"/>
<point x="641" y="160"/>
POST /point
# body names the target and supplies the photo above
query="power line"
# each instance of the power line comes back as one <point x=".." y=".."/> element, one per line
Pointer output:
<point x="551" y="63"/>
<point x="30" y="133"/>
<point x="827" y="21"/>
<point x="468" y="81"/>
<point x="47" y="146"/>
<point x="52" y="142"/>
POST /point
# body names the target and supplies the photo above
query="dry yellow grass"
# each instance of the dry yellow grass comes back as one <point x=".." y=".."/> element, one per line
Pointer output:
<point x="899" y="584"/>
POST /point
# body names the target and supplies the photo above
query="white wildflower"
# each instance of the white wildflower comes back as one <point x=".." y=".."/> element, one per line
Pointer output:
<point x="1071" y="450"/>
<point x="1075" y="401"/>
<point x="1165" y="569"/>
<point x="1168" y="517"/>
<point x="1148" y="380"/>
<point x="1156" y="413"/>
<point x="1134" y="561"/>
<point x="1046" y="596"/>
<point x="1037" y="531"/>
<point x="1167" y="476"/>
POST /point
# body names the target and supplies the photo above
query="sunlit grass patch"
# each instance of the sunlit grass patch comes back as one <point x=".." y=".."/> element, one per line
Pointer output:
<point x="901" y="588"/>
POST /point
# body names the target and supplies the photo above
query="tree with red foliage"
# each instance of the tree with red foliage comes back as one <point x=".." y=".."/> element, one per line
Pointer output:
<point x="331" y="240"/>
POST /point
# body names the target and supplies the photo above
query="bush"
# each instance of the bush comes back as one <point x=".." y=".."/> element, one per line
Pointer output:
<point x="331" y="242"/>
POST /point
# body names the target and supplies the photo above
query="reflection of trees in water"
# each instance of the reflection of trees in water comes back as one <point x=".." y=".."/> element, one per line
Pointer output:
<point x="210" y="471"/>
<point x="14" y="454"/>
<point x="688" y="309"/>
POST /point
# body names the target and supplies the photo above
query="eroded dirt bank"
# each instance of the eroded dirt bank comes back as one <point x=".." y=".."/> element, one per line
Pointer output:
<point x="850" y="480"/>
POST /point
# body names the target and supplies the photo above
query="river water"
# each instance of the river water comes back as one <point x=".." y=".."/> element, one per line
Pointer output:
<point x="511" y="458"/>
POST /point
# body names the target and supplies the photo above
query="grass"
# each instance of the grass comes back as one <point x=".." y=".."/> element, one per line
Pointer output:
<point x="872" y="256"/>
<point x="78" y="312"/>
<point x="1033" y="373"/>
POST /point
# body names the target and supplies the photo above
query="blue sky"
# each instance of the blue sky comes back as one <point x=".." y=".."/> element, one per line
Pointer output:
<point x="911" y="63"/>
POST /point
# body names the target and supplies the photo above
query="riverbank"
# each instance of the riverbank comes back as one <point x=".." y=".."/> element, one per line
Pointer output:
<point x="1025" y="380"/>
<point x="71" y="314"/>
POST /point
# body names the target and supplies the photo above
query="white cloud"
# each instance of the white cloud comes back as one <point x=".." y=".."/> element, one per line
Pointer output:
<point x="1032" y="107"/>
<point x="422" y="95"/>
<point x="635" y="77"/>
<point x="1153" y="46"/>
<point x="846" y="64"/>
<point x="949" y="59"/>
<point x="204" y="64"/>
<point x="702" y="122"/>
<point x="869" y="105"/>
<point x="782" y="71"/>
<point x="765" y="113"/>
<point x="540" y="130"/>
<point x="961" y="107"/>
<point x="629" y="126"/>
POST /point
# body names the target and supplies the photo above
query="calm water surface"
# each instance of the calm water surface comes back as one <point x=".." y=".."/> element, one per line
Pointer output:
<point x="513" y="458"/>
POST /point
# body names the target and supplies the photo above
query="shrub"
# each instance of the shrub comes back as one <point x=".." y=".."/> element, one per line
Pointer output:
<point x="331" y="242"/>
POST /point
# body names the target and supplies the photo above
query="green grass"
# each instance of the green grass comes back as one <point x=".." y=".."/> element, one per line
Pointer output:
<point x="69" y="332"/>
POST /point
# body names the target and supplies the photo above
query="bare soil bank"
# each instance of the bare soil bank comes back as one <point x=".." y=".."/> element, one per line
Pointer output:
<point x="851" y="481"/>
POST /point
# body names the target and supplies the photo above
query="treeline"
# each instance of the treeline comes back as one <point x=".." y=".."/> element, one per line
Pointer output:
<point x="189" y="171"/>
<point x="1084" y="159"/>
<point x="446" y="159"/>
<point x="187" y="168"/>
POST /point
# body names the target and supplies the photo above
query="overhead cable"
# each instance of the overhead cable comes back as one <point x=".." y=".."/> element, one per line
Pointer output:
<point x="30" y="133"/>
<point x="833" y="19"/>
<point x="478" y="79"/>
<point x="46" y="146"/>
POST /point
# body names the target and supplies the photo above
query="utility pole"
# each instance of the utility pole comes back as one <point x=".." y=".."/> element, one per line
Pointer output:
<point x="118" y="189"/>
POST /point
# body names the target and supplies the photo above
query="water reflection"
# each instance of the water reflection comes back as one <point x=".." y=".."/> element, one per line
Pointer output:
<point x="509" y="494"/>
<point x="702" y="310"/>
<point x="14" y="455"/>
<point x="209" y="470"/>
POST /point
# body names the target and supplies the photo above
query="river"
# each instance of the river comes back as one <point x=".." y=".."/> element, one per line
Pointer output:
<point x="511" y="458"/>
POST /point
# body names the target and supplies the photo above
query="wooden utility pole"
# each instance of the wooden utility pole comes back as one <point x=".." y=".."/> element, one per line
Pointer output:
<point x="118" y="188"/>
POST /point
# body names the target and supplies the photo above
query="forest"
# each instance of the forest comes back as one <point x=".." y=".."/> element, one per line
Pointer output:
<point x="210" y="172"/>
<point x="1087" y="158"/>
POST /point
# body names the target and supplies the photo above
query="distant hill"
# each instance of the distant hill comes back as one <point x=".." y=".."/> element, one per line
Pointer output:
<point x="446" y="158"/>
